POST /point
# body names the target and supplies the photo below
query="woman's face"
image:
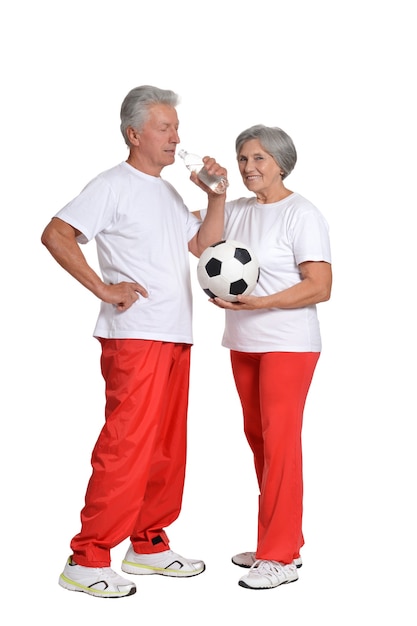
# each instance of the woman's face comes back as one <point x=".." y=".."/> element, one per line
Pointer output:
<point x="260" y="172"/>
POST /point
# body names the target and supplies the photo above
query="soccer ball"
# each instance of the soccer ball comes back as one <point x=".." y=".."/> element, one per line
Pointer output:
<point x="226" y="269"/>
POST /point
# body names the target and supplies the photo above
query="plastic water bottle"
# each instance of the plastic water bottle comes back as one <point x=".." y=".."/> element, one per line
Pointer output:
<point x="194" y="163"/>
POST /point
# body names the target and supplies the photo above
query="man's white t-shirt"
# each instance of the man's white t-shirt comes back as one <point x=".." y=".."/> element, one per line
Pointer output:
<point x="142" y="228"/>
<point x="282" y="235"/>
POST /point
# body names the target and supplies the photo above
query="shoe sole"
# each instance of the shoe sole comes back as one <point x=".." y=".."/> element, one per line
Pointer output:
<point x="71" y="585"/>
<point x="134" y="568"/>
<point x="246" y="586"/>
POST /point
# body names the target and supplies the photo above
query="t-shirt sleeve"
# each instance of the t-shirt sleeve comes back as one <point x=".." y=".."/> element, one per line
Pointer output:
<point x="193" y="225"/>
<point x="92" y="211"/>
<point x="310" y="234"/>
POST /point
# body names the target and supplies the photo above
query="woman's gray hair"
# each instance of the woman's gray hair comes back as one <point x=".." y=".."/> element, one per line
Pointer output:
<point x="135" y="107"/>
<point x="274" y="141"/>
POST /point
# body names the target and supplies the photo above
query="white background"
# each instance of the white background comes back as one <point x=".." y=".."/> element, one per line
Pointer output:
<point x="339" y="77"/>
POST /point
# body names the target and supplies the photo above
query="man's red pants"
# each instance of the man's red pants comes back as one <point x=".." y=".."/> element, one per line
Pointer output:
<point x="136" y="486"/>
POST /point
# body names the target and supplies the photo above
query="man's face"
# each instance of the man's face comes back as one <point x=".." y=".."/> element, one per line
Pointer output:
<point x="158" y="139"/>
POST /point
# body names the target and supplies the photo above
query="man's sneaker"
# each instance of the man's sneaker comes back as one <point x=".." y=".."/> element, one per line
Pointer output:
<point x="166" y="563"/>
<point x="269" y="574"/>
<point x="102" y="582"/>
<point x="247" y="559"/>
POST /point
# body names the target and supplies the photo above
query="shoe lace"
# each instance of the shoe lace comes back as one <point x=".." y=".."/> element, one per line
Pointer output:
<point x="270" y="569"/>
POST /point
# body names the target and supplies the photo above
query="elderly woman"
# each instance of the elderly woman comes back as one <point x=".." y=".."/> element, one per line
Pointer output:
<point x="274" y="341"/>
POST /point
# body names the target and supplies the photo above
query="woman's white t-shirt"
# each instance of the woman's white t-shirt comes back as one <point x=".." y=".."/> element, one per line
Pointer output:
<point x="282" y="235"/>
<point x="142" y="228"/>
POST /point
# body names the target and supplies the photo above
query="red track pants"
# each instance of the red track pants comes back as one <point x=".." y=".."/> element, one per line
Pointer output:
<point x="273" y="388"/>
<point x="136" y="486"/>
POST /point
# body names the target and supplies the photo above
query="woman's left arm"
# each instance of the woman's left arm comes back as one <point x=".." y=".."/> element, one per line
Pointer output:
<point x="315" y="286"/>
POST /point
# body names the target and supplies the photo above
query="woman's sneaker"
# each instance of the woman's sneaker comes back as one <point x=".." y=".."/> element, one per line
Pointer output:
<point x="269" y="574"/>
<point x="101" y="582"/>
<point x="167" y="563"/>
<point x="247" y="559"/>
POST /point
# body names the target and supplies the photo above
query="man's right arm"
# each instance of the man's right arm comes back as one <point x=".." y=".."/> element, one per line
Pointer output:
<point x="59" y="238"/>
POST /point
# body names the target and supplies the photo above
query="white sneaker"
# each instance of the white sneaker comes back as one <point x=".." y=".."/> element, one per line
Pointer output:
<point x="102" y="582"/>
<point x="269" y="574"/>
<point x="247" y="559"/>
<point x="166" y="563"/>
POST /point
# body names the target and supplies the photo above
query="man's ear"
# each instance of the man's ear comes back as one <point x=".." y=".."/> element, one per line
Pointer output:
<point x="133" y="135"/>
